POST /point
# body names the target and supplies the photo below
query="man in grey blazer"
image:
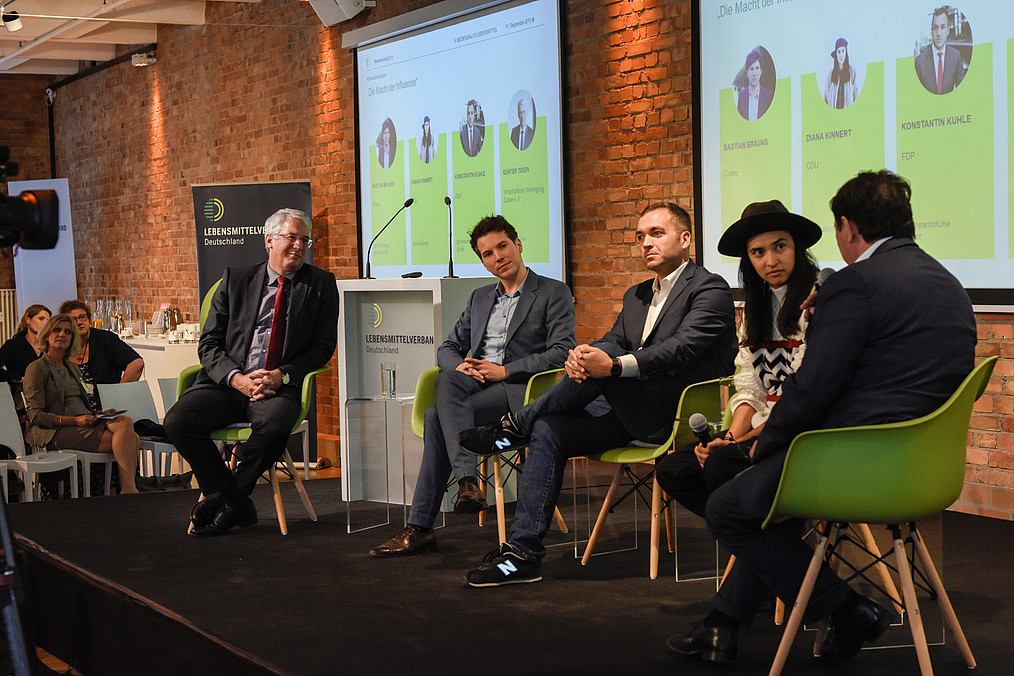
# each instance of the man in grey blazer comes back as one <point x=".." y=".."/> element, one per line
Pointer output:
<point x="268" y="326"/>
<point x="674" y="330"/>
<point x="891" y="338"/>
<point x="513" y="329"/>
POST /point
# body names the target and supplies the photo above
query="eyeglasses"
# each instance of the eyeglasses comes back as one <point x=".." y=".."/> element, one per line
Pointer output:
<point x="292" y="239"/>
<point x="80" y="319"/>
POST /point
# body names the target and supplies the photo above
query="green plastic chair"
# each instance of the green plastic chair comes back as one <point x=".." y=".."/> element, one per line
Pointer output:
<point x="893" y="474"/>
<point x="426" y="396"/>
<point x="240" y="432"/>
<point x="705" y="398"/>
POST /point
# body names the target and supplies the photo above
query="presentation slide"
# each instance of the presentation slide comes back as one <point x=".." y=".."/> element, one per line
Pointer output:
<point x="798" y="96"/>
<point x="467" y="110"/>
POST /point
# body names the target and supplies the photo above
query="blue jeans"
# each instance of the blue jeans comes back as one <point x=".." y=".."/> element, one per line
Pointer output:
<point x="462" y="402"/>
<point x="570" y="419"/>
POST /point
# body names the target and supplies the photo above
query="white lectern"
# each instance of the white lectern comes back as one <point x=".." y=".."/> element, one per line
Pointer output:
<point x="391" y="320"/>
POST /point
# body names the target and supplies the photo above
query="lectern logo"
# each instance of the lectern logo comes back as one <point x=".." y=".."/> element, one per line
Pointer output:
<point x="377" y="315"/>
<point x="214" y="209"/>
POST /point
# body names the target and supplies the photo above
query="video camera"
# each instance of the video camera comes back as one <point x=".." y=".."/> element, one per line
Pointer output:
<point x="32" y="219"/>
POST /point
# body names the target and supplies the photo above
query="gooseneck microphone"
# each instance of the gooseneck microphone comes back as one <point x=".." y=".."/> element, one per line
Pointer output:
<point x="404" y="206"/>
<point x="699" y="426"/>
<point x="450" y="241"/>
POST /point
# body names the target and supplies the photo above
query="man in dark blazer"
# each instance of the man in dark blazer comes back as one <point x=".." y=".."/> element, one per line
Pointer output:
<point x="673" y="330"/>
<point x="472" y="132"/>
<point x="268" y="326"/>
<point x="891" y="337"/>
<point x="938" y="56"/>
<point x="522" y="133"/>
<point x="520" y="326"/>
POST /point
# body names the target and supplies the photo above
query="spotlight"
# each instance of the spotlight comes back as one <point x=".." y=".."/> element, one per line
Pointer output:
<point x="141" y="60"/>
<point x="12" y="21"/>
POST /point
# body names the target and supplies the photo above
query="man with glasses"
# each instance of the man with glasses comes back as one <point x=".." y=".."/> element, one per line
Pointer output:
<point x="268" y="326"/>
<point x="103" y="358"/>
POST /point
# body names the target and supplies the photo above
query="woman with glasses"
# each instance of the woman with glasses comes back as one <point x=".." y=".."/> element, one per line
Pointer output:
<point x="103" y="357"/>
<point x="59" y="413"/>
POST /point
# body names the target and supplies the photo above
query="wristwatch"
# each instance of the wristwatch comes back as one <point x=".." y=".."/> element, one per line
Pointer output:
<point x="617" y="368"/>
<point x="285" y="377"/>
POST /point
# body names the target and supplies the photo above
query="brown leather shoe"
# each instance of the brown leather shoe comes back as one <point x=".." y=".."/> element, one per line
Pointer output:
<point x="470" y="499"/>
<point x="408" y="541"/>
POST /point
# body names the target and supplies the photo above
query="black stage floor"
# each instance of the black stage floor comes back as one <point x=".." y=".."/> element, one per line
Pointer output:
<point x="116" y="586"/>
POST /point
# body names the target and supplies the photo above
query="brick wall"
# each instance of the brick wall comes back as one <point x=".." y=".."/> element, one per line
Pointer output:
<point x="241" y="99"/>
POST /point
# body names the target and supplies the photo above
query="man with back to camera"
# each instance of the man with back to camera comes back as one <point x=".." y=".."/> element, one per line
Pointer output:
<point x="940" y="67"/>
<point x="521" y="134"/>
<point x="673" y="330"/>
<point x="268" y="326"/>
<point x="471" y="133"/>
<point x="866" y="363"/>
<point x="514" y="329"/>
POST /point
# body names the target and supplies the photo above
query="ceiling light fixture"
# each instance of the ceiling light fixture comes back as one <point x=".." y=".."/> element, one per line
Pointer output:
<point x="11" y="20"/>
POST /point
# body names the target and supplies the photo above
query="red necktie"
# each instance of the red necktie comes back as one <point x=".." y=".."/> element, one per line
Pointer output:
<point x="277" y="339"/>
<point x="940" y="73"/>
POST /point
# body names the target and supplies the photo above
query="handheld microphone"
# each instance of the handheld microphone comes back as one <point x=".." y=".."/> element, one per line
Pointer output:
<point x="450" y="241"/>
<point x="404" y="206"/>
<point x="822" y="277"/>
<point x="699" y="426"/>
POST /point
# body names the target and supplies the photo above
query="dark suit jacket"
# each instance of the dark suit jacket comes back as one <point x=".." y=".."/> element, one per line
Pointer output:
<point x="540" y="334"/>
<point x="926" y="69"/>
<point x="476" y="139"/>
<point x="743" y="104"/>
<point x="516" y="136"/>
<point x="693" y="339"/>
<point x="310" y="337"/>
<point x="891" y="338"/>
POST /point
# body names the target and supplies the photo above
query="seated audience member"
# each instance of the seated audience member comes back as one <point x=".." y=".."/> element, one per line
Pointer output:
<point x="891" y="337"/>
<point x="22" y="348"/>
<point x="513" y="329"/>
<point x="675" y="329"/>
<point x="268" y="326"/>
<point x="777" y="273"/>
<point x="103" y="358"/>
<point x="59" y="412"/>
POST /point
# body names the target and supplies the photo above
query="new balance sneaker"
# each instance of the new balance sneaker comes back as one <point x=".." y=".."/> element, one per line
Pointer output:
<point x="493" y="439"/>
<point x="504" y="566"/>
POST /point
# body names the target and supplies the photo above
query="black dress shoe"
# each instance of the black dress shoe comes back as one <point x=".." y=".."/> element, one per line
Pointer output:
<point x="717" y="644"/>
<point x="865" y="625"/>
<point x="407" y="541"/>
<point x="470" y="499"/>
<point x="204" y="511"/>
<point x="242" y="513"/>
<point x="493" y="439"/>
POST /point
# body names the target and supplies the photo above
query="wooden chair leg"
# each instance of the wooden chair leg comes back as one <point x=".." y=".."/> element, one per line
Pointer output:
<point x="799" y="607"/>
<point x="279" y="509"/>
<point x="670" y="522"/>
<point x="483" y="472"/>
<point x="656" y="527"/>
<point x="300" y="489"/>
<point x="603" y="513"/>
<point x="560" y="523"/>
<point x="912" y="606"/>
<point x="946" y="609"/>
<point x="501" y="517"/>
<point x="728" y="567"/>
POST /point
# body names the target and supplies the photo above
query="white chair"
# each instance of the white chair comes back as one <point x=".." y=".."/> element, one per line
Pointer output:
<point x="135" y="398"/>
<point x="167" y="388"/>
<point x="28" y="466"/>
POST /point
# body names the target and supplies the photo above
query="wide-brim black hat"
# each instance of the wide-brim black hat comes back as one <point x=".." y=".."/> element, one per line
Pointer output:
<point x="805" y="232"/>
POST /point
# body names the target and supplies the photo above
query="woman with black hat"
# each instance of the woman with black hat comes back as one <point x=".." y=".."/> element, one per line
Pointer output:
<point x="778" y="274"/>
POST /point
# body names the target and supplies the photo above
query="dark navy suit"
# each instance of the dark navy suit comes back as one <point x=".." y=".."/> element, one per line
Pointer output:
<point x="891" y="338"/>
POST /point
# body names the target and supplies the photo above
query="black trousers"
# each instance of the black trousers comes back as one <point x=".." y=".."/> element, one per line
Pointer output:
<point x="682" y="478"/>
<point x="202" y="410"/>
